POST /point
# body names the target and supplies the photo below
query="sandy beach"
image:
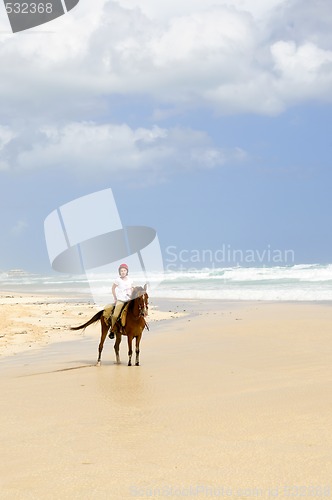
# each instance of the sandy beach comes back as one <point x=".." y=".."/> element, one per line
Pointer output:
<point x="232" y="399"/>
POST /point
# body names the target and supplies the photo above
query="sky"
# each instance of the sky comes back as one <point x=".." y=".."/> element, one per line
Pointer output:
<point x="210" y="120"/>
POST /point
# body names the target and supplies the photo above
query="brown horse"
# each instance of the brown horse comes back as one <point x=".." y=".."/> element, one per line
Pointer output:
<point x="135" y="324"/>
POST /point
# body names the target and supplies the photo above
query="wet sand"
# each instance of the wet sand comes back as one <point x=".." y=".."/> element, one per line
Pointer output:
<point x="233" y="400"/>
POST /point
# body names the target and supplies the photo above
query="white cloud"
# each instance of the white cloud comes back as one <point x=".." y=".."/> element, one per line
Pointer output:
<point x="233" y="59"/>
<point x="298" y="74"/>
<point x="214" y="35"/>
<point x="86" y="147"/>
<point x="6" y="135"/>
<point x="174" y="8"/>
<point x="304" y="72"/>
<point x="302" y="21"/>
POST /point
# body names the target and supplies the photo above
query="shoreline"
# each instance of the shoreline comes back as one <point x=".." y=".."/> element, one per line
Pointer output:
<point x="41" y="320"/>
<point x="34" y="321"/>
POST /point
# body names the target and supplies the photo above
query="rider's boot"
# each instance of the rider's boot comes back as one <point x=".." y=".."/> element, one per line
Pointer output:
<point x="111" y="333"/>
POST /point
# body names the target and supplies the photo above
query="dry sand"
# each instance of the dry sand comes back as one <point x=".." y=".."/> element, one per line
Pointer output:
<point x="33" y="321"/>
<point x="232" y="401"/>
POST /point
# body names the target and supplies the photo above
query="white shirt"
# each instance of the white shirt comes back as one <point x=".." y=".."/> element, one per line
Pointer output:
<point x="123" y="288"/>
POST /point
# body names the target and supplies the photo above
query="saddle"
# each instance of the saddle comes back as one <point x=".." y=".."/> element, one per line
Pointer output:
<point x="108" y="311"/>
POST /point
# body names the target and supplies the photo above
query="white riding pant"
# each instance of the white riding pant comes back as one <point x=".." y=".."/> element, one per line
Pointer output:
<point x="117" y="309"/>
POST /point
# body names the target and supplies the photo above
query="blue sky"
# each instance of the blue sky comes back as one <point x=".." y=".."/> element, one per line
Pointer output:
<point x="210" y="122"/>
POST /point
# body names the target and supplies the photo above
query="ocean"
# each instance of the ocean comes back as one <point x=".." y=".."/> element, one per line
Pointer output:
<point x="307" y="282"/>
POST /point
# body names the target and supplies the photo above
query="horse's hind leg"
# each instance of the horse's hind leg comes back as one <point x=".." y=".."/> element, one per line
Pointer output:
<point x="137" y="351"/>
<point x="117" y="346"/>
<point x="104" y="330"/>
<point x="130" y="349"/>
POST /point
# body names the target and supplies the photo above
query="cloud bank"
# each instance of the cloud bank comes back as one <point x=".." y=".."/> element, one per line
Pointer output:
<point x="249" y="57"/>
<point x="234" y="59"/>
<point x="88" y="147"/>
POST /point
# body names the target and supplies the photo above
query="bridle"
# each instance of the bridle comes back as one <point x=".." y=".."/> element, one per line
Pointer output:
<point x="142" y="308"/>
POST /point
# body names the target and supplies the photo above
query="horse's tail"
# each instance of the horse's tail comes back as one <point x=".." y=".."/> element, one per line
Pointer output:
<point x="95" y="318"/>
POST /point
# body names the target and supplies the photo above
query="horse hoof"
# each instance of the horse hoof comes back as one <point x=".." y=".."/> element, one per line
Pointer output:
<point x="136" y="364"/>
<point x="98" y="363"/>
<point x="129" y="364"/>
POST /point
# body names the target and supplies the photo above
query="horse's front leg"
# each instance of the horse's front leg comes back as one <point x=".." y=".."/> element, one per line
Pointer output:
<point x="138" y="339"/>
<point x="117" y="346"/>
<point x="130" y="350"/>
<point x="104" y="330"/>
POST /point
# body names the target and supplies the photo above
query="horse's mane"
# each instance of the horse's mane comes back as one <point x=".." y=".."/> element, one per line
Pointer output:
<point x="138" y="291"/>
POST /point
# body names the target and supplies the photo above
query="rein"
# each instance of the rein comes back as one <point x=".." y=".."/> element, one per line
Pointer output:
<point x="140" y="314"/>
<point x="140" y="311"/>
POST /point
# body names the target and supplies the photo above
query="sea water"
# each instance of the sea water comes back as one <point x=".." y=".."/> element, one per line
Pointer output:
<point x="307" y="282"/>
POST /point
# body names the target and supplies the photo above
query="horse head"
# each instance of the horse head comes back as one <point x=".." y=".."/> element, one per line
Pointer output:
<point x="141" y="299"/>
